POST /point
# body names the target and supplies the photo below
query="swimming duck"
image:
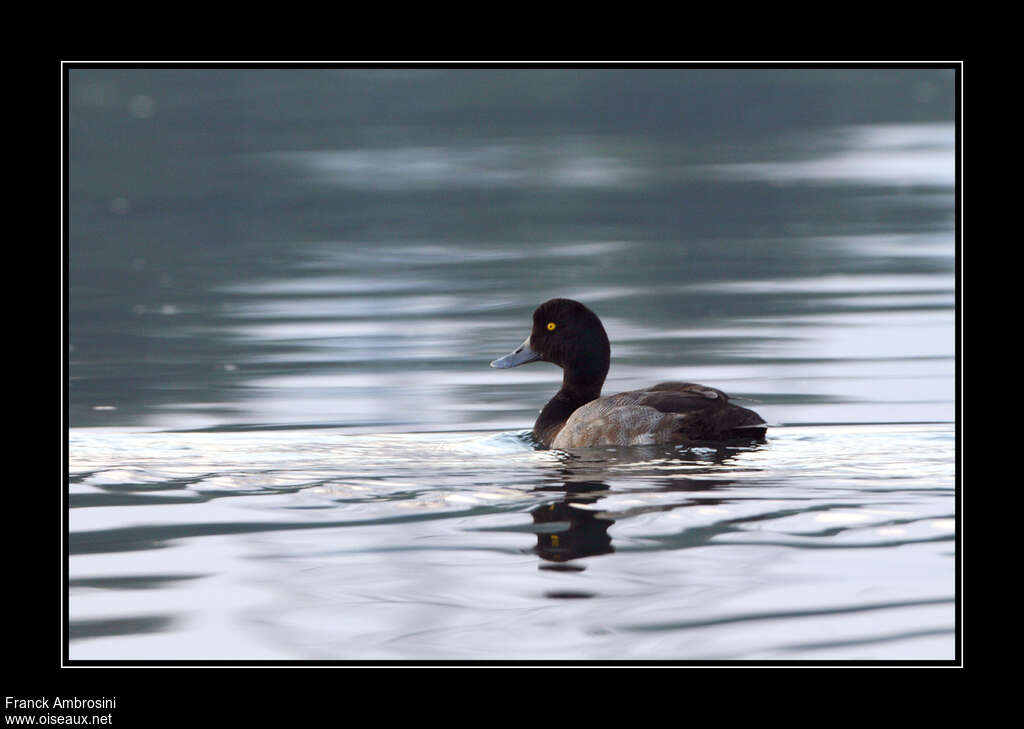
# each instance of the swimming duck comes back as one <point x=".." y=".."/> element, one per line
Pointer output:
<point x="568" y="334"/>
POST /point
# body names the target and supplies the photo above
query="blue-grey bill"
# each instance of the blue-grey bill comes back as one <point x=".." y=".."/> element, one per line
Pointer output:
<point x="521" y="355"/>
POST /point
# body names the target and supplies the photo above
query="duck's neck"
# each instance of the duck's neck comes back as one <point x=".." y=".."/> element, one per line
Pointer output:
<point x="580" y="385"/>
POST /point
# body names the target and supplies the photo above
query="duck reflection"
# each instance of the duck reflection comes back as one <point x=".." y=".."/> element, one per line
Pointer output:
<point x="585" y="532"/>
<point x="570" y="528"/>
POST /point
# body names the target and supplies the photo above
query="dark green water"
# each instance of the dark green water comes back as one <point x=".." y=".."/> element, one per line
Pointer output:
<point x="285" y="287"/>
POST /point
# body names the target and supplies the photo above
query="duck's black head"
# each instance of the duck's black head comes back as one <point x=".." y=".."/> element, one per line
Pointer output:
<point x="570" y="335"/>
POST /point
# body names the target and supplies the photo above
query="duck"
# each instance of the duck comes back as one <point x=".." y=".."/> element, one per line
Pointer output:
<point x="568" y="334"/>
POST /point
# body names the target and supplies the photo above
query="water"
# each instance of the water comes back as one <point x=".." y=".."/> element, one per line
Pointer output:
<point x="285" y="287"/>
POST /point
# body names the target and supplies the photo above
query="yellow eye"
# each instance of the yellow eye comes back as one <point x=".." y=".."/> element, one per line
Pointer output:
<point x="551" y="326"/>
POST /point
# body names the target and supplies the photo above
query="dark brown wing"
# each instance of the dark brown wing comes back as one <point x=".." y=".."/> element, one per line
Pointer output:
<point x="691" y="388"/>
<point x="708" y="414"/>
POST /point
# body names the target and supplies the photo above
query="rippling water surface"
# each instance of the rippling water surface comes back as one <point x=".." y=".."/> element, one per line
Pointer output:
<point x="322" y="545"/>
<point x="284" y="290"/>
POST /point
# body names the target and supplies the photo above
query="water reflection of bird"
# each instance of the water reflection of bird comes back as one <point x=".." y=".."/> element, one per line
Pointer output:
<point x="568" y="334"/>
<point x="585" y="533"/>
<point x="569" y="528"/>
